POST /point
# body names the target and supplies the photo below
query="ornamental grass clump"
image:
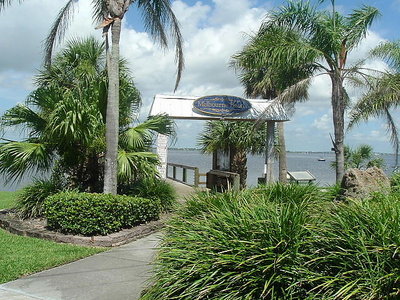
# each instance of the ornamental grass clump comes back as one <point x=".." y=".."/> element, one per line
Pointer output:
<point x="245" y="245"/>
<point x="357" y="251"/>
<point x="97" y="214"/>
<point x="281" y="242"/>
<point x="30" y="202"/>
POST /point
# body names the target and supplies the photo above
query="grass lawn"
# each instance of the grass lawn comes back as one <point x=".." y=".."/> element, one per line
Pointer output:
<point x="7" y="199"/>
<point x="21" y="255"/>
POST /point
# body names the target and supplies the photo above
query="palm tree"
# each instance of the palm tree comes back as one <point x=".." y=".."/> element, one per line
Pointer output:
<point x="260" y="79"/>
<point x="302" y="37"/>
<point x="361" y="158"/>
<point x="383" y="94"/>
<point x="236" y="139"/>
<point x="65" y="121"/>
<point x="158" y="17"/>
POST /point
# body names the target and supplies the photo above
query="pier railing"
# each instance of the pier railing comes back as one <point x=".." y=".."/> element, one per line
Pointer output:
<point x="183" y="174"/>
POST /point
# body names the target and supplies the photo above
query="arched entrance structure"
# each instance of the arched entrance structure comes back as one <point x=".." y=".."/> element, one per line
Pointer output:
<point x="220" y="107"/>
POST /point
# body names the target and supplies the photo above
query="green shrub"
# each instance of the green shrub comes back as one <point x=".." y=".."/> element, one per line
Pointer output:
<point x="30" y="201"/>
<point x="93" y="214"/>
<point x="155" y="189"/>
<point x="280" y="242"/>
<point x="395" y="181"/>
<point x="236" y="245"/>
<point x="357" y="250"/>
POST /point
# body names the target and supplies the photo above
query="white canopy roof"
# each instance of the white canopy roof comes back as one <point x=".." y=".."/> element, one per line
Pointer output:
<point x="181" y="107"/>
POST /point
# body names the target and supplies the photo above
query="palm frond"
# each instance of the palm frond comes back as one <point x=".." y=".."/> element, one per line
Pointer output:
<point x="358" y="23"/>
<point x="297" y="92"/>
<point x="157" y="16"/>
<point x="58" y="29"/>
<point x="384" y="94"/>
<point x="141" y="136"/>
<point x="5" y="3"/>
<point x="134" y="164"/>
<point x="223" y="135"/>
<point x="74" y="121"/>
<point x="23" y="115"/>
<point x="19" y="158"/>
<point x="99" y="10"/>
<point x="393" y="133"/>
<point x="390" y="52"/>
<point x="298" y="15"/>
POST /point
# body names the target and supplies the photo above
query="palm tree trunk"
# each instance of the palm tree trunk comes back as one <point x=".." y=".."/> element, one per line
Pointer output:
<point x="338" y="107"/>
<point x="239" y="165"/>
<point x="112" y="114"/>
<point x="282" y="153"/>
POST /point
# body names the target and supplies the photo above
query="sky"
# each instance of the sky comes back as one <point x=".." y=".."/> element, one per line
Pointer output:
<point x="213" y="30"/>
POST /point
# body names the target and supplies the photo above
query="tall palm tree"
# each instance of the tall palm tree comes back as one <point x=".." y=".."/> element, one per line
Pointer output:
<point x="260" y="79"/>
<point x="65" y="121"/>
<point x="383" y="94"/>
<point x="235" y="139"/>
<point x="301" y="36"/>
<point x="158" y="18"/>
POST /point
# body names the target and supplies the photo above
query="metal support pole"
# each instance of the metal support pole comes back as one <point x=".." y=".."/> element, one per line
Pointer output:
<point x="184" y="175"/>
<point x="269" y="153"/>
<point x="174" y="172"/>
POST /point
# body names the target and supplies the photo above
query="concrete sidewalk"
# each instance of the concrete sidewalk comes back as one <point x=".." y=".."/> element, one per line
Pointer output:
<point x="117" y="274"/>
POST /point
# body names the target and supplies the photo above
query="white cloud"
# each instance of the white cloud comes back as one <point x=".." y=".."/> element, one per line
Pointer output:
<point x="323" y="123"/>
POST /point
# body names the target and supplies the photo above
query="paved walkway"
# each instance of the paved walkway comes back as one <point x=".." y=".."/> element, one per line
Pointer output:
<point x="118" y="274"/>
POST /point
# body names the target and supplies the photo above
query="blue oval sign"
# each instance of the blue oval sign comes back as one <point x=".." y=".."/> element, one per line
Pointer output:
<point x="221" y="105"/>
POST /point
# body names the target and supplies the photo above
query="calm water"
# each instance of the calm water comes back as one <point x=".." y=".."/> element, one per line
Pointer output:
<point x="296" y="162"/>
<point x="255" y="165"/>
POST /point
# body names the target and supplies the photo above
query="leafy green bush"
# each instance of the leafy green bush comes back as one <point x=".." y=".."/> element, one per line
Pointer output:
<point x="395" y="181"/>
<point x="158" y="190"/>
<point x="280" y="242"/>
<point x="236" y="245"/>
<point x="30" y="201"/>
<point x="92" y="214"/>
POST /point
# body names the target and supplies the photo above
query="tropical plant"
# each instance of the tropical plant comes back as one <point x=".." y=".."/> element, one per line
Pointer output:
<point x="30" y="202"/>
<point x="280" y="242"/>
<point x="158" y="18"/>
<point x="383" y="93"/>
<point x="301" y="37"/>
<point x="64" y="119"/>
<point x="235" y="139"/>
<point x="395" y="181"/>
<point x="361" y="158"/>
<point x="357" y="249"/>
<point x="260" y="79"/>
<point x="235" y="246"/>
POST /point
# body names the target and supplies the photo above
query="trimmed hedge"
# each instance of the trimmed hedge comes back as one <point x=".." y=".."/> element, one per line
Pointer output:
<point x="155" y="189"/>
<point x="97" y="214"/>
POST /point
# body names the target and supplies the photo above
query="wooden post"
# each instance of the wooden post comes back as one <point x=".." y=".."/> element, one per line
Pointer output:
<point x="162" y="152"/>
<point x="269" y="153"/>
<point x="196" y="177"/>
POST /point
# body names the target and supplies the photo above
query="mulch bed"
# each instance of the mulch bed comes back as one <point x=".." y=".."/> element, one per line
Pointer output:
<point x="37" y="228"/>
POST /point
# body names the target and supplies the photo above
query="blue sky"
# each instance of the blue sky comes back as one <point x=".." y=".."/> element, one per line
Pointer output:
<point x="213" y="32"/>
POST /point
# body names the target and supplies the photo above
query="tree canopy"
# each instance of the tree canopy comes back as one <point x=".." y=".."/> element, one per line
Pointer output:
<point x="64" y="121"/>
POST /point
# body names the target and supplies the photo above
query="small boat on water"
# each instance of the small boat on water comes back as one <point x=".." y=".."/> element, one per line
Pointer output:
<point x="321" y="159"/>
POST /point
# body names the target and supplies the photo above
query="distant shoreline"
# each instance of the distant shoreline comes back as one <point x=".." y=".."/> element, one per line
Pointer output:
<point x="288" y="151"/>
